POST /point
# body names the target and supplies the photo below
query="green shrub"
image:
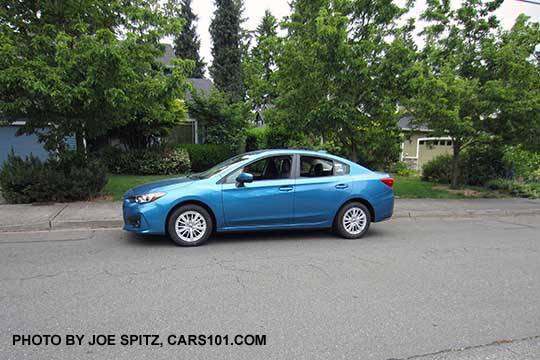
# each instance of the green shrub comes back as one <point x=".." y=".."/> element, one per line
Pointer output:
<point x="204" y="156"/>
<point x="159" y="161"/>
<point x="522" y="164"/>
<point x="270" y="137"/>
<point x="515" y="188"/>
<point x="482" y="162"/>
<point x="477" y="165"/>
<point x="438" y="170"/>
<point x="277" y="138"/>
<point x="72" y="177"/>
<point x="401" y="169"/>
<point x="256" y="138"/>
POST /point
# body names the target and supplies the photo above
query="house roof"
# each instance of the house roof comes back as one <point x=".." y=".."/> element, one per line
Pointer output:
<point x="202" y="86"/>
<point x="168" y="55"/>
<point x="405" y="124"/>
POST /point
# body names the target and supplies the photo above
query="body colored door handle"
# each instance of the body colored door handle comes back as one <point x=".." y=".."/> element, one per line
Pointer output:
<point x="286" y="188"/>
<point x="342" y="186"/>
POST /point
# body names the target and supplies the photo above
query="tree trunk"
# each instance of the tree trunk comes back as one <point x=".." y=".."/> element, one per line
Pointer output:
<point x="81" y="143"/>
<point x="456" y="147"/>
<point x="354" y="153"/>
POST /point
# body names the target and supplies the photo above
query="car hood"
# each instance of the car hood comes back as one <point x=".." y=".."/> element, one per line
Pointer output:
<point x="160" y="185"/>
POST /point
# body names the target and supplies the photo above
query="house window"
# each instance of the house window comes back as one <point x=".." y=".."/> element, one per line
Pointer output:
<point x="421" y="142"/>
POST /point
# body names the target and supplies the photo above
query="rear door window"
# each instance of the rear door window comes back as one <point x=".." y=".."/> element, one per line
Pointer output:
<point x="311" y="166"/>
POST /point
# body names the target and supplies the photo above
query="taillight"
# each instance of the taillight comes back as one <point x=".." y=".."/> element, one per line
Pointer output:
<point x="388" y="182"/>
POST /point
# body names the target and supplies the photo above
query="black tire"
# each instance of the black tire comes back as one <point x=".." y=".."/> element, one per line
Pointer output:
<point x="340" y="228"/>
<point x="192" y="209"/>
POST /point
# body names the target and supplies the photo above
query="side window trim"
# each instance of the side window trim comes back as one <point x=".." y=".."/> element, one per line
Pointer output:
<point x="299" y="167"/>
<point x="292" y="155"/>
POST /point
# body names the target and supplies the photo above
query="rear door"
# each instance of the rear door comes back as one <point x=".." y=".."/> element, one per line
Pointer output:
<point x="322" y="185"/>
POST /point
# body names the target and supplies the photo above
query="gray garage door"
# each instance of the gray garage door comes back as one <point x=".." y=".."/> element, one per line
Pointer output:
<point x="22" y="145"/>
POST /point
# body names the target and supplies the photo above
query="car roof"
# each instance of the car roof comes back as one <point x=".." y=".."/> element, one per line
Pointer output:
<point x="288" y="151"/>
<point x="321" y="153"/>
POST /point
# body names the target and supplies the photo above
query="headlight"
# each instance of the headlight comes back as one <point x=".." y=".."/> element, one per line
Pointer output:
<point x="146" y="198"/>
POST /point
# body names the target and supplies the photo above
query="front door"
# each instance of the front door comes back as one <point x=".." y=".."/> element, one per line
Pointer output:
<point x="267" y="201"/>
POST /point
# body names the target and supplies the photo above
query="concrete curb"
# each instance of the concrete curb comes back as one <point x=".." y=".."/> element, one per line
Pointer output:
<point x="117" y="224"/>
<point x="465" y="214"/>
<point x="89" y="224"/>
<point x="108" y="215"/>
<point x="41" y="226"/>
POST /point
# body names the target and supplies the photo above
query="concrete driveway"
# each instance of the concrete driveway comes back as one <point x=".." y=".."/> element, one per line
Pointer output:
<point x="415" y="288"/>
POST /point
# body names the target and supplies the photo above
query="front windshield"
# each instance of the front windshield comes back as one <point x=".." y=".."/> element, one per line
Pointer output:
<point x="224" y="165"/>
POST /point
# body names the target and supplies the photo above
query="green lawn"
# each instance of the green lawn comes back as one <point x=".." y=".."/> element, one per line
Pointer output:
<point x="119" y="184"/>
<point x="415" y="188"/>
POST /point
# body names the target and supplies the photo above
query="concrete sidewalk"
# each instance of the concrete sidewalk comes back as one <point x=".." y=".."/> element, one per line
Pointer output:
<point x="84" y="215"/>
<point x="92" y="215"/>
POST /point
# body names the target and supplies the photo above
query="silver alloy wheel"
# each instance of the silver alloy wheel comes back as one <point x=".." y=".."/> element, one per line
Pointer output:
<point x="354" y="220"/>
<point x="190" y="226"/>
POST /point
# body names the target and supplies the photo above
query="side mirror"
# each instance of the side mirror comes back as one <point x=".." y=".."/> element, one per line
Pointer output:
<point x="244" y="178"/>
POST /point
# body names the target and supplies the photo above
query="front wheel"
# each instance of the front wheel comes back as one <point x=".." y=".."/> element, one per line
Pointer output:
<point x="190" y="225"/>
<point x="353" y="220"/>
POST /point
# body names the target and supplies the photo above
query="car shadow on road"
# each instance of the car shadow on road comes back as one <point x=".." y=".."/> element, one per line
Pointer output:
<point x="280" y="236"/>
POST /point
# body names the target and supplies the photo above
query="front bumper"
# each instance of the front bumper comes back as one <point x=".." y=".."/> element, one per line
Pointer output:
<point x="143" y="218"/>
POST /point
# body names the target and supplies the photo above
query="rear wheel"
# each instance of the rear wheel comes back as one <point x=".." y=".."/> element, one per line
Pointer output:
<point x="353" y="220"/>
<point x="190" y="225"/>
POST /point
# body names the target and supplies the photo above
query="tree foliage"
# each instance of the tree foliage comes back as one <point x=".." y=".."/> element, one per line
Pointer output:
<point x="186" y="42"/>
<point x="449" y="80"/>
<point x="85" y="67"/>
<point x="513" y="85"/>
<point x="226" y="33"/>
<point x="260" y="64"/>
<point x="338" y="75"/>
<point x="220" y="121"/>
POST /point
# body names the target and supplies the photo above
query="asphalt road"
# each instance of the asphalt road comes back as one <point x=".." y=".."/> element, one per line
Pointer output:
<point x="413" y="289"/>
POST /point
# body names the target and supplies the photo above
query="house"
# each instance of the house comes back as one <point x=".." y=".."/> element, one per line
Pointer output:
<point x="23" y="145"/>
<point x="186" y="133"/>
<point x="419" y="145"/>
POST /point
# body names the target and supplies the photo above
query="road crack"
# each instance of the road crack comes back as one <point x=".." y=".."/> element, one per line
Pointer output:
<point x="466" y="348"/>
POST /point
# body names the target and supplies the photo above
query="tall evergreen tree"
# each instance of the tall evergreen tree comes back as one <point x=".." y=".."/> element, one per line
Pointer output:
<point x="187" y="43"/>
<point x="226" y="32"/>
<point x="260" y="64"/>
<point x="266" y="32"/>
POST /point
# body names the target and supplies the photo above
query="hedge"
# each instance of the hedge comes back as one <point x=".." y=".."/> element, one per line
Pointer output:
<point x="204" y="156"/>
<point x="159" y="161"/>
<point x="72" y="177"/>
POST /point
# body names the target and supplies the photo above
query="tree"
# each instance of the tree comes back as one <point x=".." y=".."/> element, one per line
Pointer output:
<point x="260" y="64"/>
<point x="220" y="121"/>
<point x="513" y="84"/>
<point x="226" y="33"/>
<point x="186" y="42"/>
<point x="338" y="76"/>
<point x="64" y="68"/>
<point x="449" y="81"/>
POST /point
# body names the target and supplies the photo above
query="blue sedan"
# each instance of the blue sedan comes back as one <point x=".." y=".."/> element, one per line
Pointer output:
<point x="262" y="190"/>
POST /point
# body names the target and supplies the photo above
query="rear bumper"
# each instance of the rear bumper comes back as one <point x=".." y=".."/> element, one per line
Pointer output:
<point x="384" y="208"/>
